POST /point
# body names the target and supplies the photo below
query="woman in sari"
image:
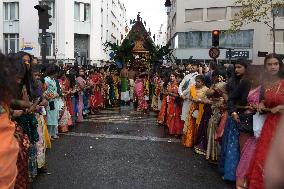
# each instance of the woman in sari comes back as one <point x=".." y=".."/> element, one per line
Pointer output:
<point x="197" y="96"/>
<point x="155" y="86"/>
<point x="218" y="96"/>
<point x="51" y="94"/>
<point x="206" y="144"/>
<point x="139" y="90"/>
<point x="80" y="86"/>
<point x="65" y="119"/>
<point x="248" y="148"/>
<point x="96" y="99"/>
<point x="44" y="139"/>
<point x="174" y="122"/>
<point x="238" y="88"/>
<point x="273" y="100"/>
<point x="9" y="147"/>
<point x="163" y="96"/>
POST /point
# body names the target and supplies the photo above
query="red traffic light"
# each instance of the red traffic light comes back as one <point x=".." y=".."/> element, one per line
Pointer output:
<point x="216" y="32"/>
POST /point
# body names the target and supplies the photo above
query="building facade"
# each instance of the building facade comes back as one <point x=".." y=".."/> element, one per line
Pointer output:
<point x="79" y="28"/>
<point x="161" y="38"/>
<point x="191" y="22"/>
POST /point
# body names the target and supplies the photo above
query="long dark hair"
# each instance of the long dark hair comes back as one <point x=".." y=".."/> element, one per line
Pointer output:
<point x="234" y="80"/>
<point x="281" y="67"/>
<point x="7" y="80"/>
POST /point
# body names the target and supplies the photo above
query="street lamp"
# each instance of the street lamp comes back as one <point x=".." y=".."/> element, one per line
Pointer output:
<point x="168" y="6"/>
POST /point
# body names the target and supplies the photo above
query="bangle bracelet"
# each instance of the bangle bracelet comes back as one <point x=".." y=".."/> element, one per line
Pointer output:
<point x="234" y="113"/>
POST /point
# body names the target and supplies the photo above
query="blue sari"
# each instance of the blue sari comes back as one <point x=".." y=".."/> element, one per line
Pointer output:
<point x="230" y="151"/>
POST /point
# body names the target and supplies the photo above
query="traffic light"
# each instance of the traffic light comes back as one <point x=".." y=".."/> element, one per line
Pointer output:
<point x="44" y="16"/>
<point x="215" y="38"/>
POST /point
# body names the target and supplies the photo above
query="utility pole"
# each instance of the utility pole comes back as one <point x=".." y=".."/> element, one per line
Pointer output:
<point x="273" y="26"/>
<point x="44" y="24"/>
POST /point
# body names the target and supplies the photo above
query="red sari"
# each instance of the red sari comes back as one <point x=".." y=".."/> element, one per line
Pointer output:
<point x="65" y="86"/>
<point x="174" y="122"/>
<point x="96" y="99"/>
<point x="273" y="96"/>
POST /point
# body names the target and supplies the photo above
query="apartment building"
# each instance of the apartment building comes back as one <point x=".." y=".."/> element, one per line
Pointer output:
<point x="190" y="23"/>
<point x="79" y="28"/>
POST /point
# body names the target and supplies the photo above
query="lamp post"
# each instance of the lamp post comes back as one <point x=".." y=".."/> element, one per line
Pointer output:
<point x="273" y="13"/>
<point x="168" y="6"/>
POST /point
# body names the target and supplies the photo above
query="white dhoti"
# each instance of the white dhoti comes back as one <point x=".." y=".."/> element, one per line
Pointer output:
<point x="125" y="96"/>
<point x="185" y="108"/>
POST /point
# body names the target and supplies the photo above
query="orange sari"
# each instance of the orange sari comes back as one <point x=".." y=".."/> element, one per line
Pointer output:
<point x="192" y="123"/>
<point x="9" y="150"/>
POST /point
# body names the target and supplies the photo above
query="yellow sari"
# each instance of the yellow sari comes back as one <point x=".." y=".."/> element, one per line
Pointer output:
<point x="192" y="123"/>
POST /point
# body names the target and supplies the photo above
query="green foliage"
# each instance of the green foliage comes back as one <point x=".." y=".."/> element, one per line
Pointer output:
<point x="124" y="53"/>
<point x="254" y="11"/>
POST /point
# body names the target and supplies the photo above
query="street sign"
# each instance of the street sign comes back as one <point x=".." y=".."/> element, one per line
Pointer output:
<point x="237" y="54"/>
<point x="214" y="52"/>
<point x="262" y="54"/>
<point x="48" y="39"/>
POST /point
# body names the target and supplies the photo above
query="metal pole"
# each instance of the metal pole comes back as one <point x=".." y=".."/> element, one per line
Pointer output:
<point x="230" y="55"/>
<point x="44" y="47"/>
<point x="273" y="27"/>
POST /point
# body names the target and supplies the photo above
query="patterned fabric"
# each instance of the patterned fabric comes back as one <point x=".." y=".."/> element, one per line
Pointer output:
<point x="140" y="94"/>
<point x="192" y="123"/>
<point x="249" y="146"/>
<point x="230" y="152"/>
<point x="22" y="181"/>
<point x="201" y="141"/>
<point x="9" y="150"/>
<point x="81" y="83"/>
<point x="174" y="122"/>
<point x="273" y="97"/>
<point x="40" y="145"/>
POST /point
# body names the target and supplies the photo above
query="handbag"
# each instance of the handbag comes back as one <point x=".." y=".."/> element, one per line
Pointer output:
<point x="246" y="123"/>
<point x="258" y="122"/>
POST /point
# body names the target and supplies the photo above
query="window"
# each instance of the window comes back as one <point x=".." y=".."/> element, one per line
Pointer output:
<point x="279" y="36"/>
<point x="11" y="10"/>
<point x="11" y="43"/>
<point x="203" y="39"/>
<point x="235" y="10"/>
<point x="87" y="12"/>
<point x="214" y="14"/>
<point x="77" y="11"/>
<point x="51" y="4"/>
<point x="279" y="12"/>
<point x="193" y="15"/>
<point x="239" y="39"/>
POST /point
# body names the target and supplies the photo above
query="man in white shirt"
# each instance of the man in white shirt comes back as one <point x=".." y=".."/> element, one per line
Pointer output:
<point x="184" y="86"/>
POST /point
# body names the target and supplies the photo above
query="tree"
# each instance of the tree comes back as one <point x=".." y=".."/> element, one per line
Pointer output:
<point x="263" y="11"/>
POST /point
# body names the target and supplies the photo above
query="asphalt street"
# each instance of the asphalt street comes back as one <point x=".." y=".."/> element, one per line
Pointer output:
<point x="123" y="149"/>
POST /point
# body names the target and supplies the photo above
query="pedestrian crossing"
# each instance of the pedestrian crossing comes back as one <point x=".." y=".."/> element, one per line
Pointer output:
<point x="121" y="119"/>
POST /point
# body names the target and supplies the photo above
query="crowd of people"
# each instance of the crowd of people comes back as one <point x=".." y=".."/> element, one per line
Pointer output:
<point x="229" y="114"/>
<point x="39" y="102"/>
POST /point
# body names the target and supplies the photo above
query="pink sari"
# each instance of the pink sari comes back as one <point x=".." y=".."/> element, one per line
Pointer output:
<point x="248" y="149"/>
<point x="81" y="84"/>
<point x="139" y="93"/>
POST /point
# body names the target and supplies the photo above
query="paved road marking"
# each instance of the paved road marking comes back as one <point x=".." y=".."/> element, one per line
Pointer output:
<point x="124" y="137"/>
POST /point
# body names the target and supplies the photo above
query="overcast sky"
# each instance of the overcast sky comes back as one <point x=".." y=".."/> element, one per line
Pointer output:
<point x="152" y="11"/>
